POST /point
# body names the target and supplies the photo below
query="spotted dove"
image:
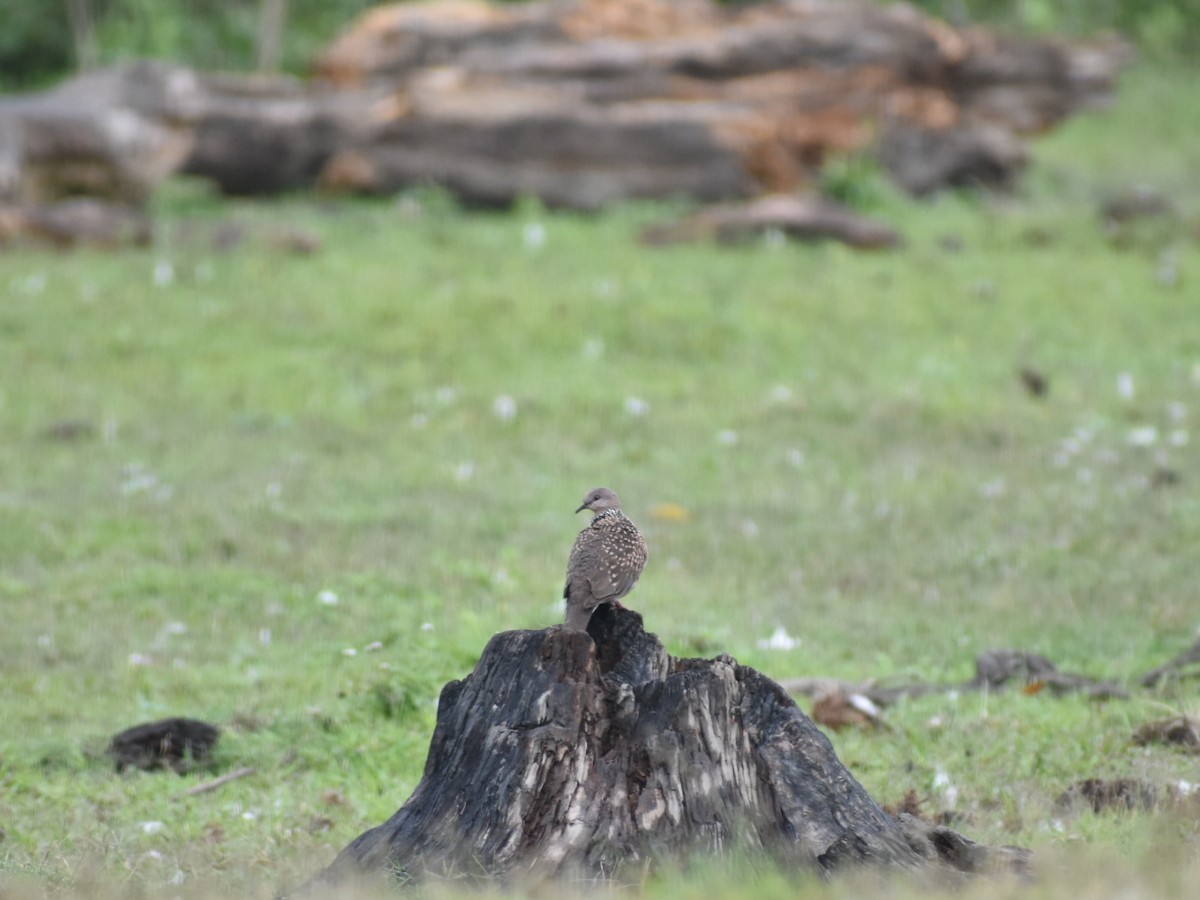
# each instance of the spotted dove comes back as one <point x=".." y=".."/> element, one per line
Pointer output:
<point x="606" y="560"/>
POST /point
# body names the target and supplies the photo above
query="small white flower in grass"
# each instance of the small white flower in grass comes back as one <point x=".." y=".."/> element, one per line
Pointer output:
<point x="140" y="659"/>
<point x="935" y="722"/>
<point x="795" y="457"/>
<point x="409" y="207"/>
<point x="749" y="528"/>
<point x="373" y="646"/>
<point x="45" y="641"/>
<point x="534" y="235"/>
<point x="1167" y="273"/>
<point x="727" y="438"/>
<point x="781" y="393"/>
<point x="446" y="394"/>
<point x="250" y="815"/>
<point x="152" y="827"/>
<point x="464" y="471"/>
<point x="593" y="348"/>
<point x="774" y="237"/>
<point x="1146" y="436"/>
<point x="636" y="406"/>
<point x="34" y="284"/>
<point x="1125" y="389"/>
<point x="427" y="626"/>
<point x="177" y="878"/>
<point x="779" y="640"/>
<point x="137" y="478"/>
<point x="264" y="636"/>
<point x="1176" y="411"/>
<point x="864" y="705"/>
<point x="329" y="598"/>
<point x="505" y="408"/>
<point x="992" y="489"/>
<point x="1177" y="438"/>
<point x="941" y="782"/>
<point x="164" y="273"/>
<point x="419" y="420"/>
<point x="273" y="489"/>
<point x="349" y="651"/>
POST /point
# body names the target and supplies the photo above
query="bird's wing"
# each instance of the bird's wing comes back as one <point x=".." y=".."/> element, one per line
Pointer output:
<point x="613" y="583"/>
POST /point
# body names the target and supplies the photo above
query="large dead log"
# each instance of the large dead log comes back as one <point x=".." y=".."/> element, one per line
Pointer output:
<point x="113" y="133"/>
<point x="561" y="755"/>
<point x="580" y="102"/>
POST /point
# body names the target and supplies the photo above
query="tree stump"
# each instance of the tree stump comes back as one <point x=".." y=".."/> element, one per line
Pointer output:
<point x="567" y="754"/>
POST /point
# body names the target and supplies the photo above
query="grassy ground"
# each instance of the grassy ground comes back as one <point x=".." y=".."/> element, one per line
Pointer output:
<point x="293" y="496"/>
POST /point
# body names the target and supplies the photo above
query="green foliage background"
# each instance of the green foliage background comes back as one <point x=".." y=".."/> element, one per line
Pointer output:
<point x="36" y="44"/>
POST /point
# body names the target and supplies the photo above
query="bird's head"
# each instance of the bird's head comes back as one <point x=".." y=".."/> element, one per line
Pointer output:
<point x="600" y="499"/>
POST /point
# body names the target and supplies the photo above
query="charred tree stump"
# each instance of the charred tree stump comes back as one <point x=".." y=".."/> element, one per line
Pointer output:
<point x="565" y="754"/>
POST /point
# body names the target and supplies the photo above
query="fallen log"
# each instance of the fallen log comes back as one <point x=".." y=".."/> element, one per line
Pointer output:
<point x="1184" y="665"/>
<point x="803" y="218"/>
<point x="110" y="134"/>
<point x="579" y="102"/>
<point x="994" y="669"/>
<point x="566" y="754"/>
<point x="760" y="94"/>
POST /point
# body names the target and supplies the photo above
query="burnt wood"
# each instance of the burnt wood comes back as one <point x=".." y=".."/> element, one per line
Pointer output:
<point x="571" y="754"/>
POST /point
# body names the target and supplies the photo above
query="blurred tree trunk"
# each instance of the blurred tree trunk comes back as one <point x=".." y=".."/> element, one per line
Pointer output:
<point x="83" y="33"/>
<point x="271" y="25"/>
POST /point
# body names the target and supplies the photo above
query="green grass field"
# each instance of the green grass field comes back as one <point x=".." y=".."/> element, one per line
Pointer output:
<point x="295" y="495"/>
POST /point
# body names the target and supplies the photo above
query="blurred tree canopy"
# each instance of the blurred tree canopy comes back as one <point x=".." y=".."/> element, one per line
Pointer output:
<point x="41" y="40"/>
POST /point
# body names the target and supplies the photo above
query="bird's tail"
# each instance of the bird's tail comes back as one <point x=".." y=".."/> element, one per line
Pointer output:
<point x="578" y="616"/>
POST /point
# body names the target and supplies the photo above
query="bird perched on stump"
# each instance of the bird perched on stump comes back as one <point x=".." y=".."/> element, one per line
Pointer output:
<point x="606" y="560"/>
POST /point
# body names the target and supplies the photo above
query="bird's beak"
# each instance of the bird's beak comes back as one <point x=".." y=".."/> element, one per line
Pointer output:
<point x="582" y="507"/>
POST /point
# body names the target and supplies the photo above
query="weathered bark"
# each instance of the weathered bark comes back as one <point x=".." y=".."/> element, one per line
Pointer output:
<point x="265" y="134"/>
<point x="573" y="158"/>
<point x="562" y="756"/>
